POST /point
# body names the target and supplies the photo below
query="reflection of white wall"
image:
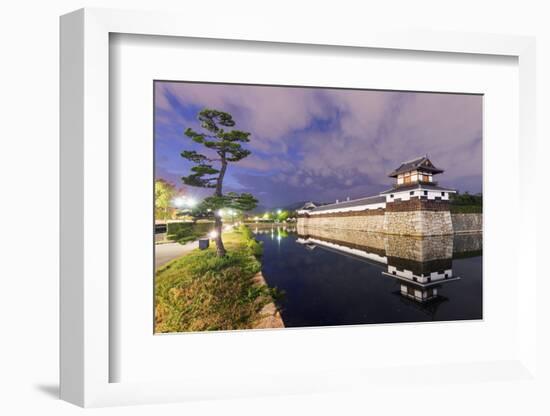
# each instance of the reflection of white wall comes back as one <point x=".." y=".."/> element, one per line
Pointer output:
<point x="409" y="275"/>
<point x="418" y="294"/>
<point x="356" y="252"/>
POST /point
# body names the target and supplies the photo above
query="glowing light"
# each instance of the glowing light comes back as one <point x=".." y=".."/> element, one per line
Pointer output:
<point x="279" y="211"/>
<point x="213" y="234"/>
<point x="221" y="212"/>
<point x="182" y="201"/>
<point x="179" y="202"/>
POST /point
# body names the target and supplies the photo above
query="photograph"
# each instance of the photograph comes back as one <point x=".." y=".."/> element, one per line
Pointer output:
<point x="294" y="207"/>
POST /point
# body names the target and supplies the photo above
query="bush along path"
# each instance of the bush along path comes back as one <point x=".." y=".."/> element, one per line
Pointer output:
<point x="203" y="292"/>
<point x="184" y="232"/>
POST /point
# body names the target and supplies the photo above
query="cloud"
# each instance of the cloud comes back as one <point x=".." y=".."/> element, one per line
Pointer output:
<point x="327" y="143"/>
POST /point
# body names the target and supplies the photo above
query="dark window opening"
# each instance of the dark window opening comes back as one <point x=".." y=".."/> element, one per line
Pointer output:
<point x="425" y="192"/>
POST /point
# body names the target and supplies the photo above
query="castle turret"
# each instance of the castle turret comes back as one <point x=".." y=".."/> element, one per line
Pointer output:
<point x="419" y="170"/>
<point x="416" y="204"/>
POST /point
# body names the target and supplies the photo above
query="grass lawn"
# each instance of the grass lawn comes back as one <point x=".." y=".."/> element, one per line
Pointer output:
<point x="202" y="292"/>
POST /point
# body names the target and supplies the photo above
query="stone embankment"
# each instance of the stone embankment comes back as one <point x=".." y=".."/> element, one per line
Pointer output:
<point x="271" y="315"/>
<point x="417" y="223"/>
<point x="467" y="223"/>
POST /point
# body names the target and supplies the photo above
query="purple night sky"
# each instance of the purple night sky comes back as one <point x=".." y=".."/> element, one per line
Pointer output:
<point x="322" y="144"/>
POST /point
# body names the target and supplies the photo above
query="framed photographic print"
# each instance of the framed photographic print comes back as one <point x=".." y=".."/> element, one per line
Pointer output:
<point x="319" y="214"/>
<point x="310" y="222"/>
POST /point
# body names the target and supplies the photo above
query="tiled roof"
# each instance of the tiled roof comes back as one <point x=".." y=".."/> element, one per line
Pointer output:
<point x="353" y="203"/>
<point x="416" y="186"/>
<point x="422" y="163"/>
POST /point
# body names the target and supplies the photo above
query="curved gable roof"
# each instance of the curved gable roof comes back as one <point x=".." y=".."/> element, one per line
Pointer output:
<point x="420" y="163"/>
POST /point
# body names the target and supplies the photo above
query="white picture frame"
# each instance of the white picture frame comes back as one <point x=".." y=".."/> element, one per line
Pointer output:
<point x="85" y="165"/>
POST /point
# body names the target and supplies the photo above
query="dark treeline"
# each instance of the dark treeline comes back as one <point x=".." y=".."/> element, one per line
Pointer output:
<point x="467" y="199"/>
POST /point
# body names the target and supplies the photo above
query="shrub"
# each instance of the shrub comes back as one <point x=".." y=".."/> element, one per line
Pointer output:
<point x="255" y="248"/>
<point x="183" y="232"/>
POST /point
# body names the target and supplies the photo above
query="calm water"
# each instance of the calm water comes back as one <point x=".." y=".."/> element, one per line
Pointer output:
<point x="344" y="278"/>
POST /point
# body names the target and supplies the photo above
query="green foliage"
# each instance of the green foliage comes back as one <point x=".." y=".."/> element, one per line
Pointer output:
<point x="255" y="248"/>
<point x="466" y="209"/>
<point x="183" y="232"/>
<point x="282" y="216"/>
<point x="466" y="203"/>
<point x="231" y="200"/>
<point x="226" y="145"/>
<point x="164" y="193"/>
<point x="201" y="291"/>
<point x="466" y="199"/>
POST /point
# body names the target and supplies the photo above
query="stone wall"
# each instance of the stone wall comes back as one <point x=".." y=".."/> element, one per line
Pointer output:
<point x="371" y="222"/>
<point x="418" y="223"/>
<point x="409" y="218"/>
<point x="467" y="223"/>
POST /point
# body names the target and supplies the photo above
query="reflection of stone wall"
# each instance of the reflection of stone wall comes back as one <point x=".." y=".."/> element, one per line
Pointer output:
<point x="371" y="222"/>
<point x="418" y="223"/>
<point x="419" y="249"/>
<point x="468" y="244"/>
<point x="467" y="223"/>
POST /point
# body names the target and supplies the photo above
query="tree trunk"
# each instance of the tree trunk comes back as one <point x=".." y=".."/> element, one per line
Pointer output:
<point x="220" y="248"/>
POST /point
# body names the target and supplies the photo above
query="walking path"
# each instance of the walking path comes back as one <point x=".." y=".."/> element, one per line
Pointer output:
<point x="169" y="251"/>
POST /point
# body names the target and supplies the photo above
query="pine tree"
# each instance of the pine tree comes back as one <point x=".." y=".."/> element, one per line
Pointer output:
<point x="226" y="147"/>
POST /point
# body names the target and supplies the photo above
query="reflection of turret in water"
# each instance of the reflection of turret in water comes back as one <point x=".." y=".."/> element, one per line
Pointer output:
<point x="420" y="281"/>
<point x="420" y="265"/>
<point x="419" y="249"/>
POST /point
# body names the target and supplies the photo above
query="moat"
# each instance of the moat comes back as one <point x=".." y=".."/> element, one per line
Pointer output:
<point x="338" y="277"/>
